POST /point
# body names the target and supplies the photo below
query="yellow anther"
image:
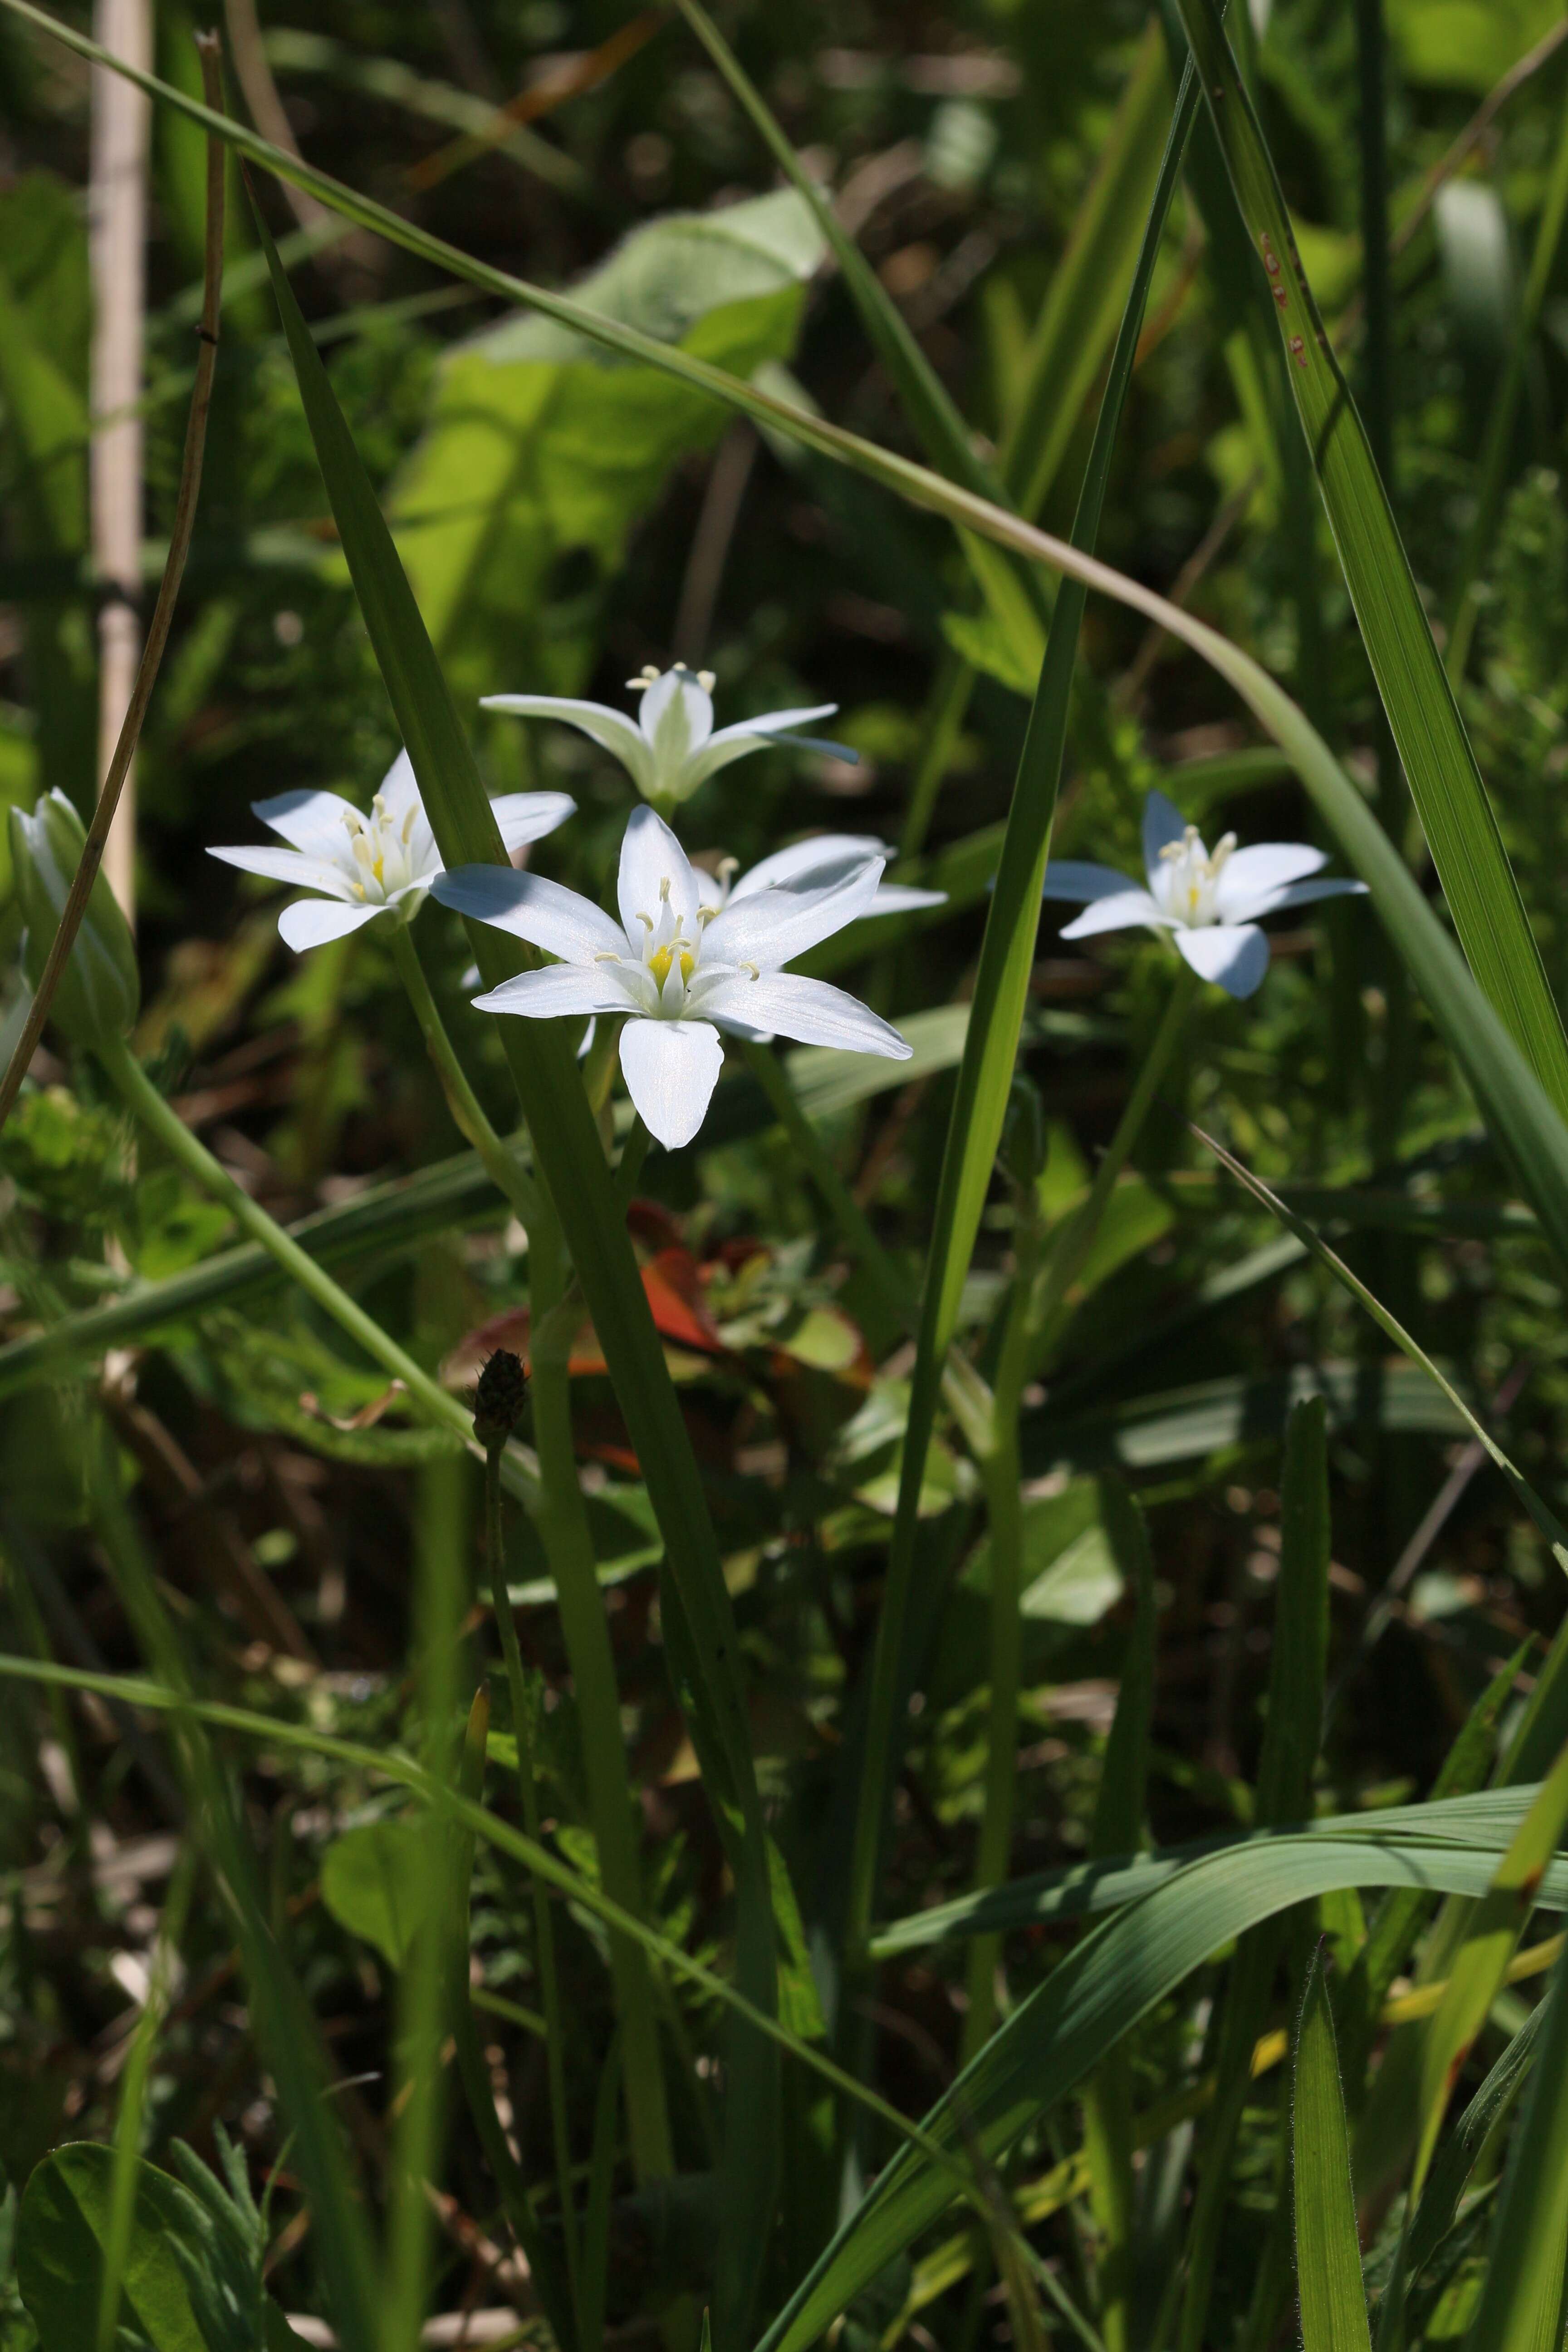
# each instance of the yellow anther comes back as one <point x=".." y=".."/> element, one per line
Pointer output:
<point x="707" y="679"/>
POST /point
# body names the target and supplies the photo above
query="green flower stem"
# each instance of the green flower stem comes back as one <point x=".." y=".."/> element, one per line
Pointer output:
<point x="1071" y="1253"/>
<point x="502" y="1163"/>
<point x="1003" y="1477"/>
<point x="847" y="1215"/>
<point x="165" y="1124"/>
<point x="544" y="1931"/>
<point x="568" y="1539"/>
<point x="569" y="1545"/>
<point x="633" y="1152"/>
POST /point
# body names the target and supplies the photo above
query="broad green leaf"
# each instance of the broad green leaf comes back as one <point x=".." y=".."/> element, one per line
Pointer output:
<point x="372" y="1880"/>
<point x="1444" y="782"/>
<point x="1327" y="2253"/>
<point x="62" y="2234"/>
<point x="539" y="450"/>
<point x="1490" y="1943"/>
<point x="1465" y="45"/>
<point x="1522" y="2303"/>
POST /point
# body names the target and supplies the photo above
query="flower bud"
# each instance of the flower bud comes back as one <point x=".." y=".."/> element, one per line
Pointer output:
<point x="98" y="994"/>
<point x="499" y="1398"/>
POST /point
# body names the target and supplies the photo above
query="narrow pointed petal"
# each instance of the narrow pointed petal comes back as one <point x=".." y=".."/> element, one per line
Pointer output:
<point x="561" y="989"/>
<point x="531" y="908"/>
<point x="311" y="922"/>
<point x="671" y="1068"/>
<point x="902" y="899"/>
<point x="399" y="790"/>
<point x="312" y="821"/>
<point x="830" y="851"/>
<point x="777" y="924"/>
<point x="528" y="816"/>
<point x="676" y="715"/>
<point x="1163" y="823"/>
<point x="1124" y="912"/>
<point x="1235" y="956"/>
<point x="1250" y="875"/>
<point x="783" y="1004"/>
<point x="1075" y="878"/>
<point x="1297" y="894"/>
<point x="650" y="856"/>
<point x="306" y="872"/>
<point x="772" y="722"/>
<point x="610" y="728"/>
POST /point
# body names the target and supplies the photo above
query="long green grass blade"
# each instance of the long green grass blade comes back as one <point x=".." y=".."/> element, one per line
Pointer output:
<point x="1490" y="1943"/>
<point x="985" y="1077"/>
<point x="1444" y="782"/>
<point x="1327" y="2253"/>
<point x="569" y="1155"/>
<point x="1523" y="2301"/>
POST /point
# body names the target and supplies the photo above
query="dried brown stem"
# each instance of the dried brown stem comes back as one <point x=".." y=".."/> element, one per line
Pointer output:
<point x="162" y="612"/>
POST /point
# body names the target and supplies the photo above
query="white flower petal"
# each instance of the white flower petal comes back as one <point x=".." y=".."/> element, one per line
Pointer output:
<point x="772" y="722"/>
<point x="1163" y="823"/>
<point x="611" y="728"/>
<point x="1124" y="912"/>
<point x="1299" y="894"/>
<point x="671" y="1068"/>
<point x="311" y="922"/>
<point x="902" y="898"/>
<point x="312" y="821"/>
<point x="827" y="850"/>
<point x="559" y="990"/>
<point x="779" y="924"/>
<point x="1076" y="880"/>
<point x="1249" y="876"/>
<point x="558" y="920"/>
<point x="528" y="816"/>
<point x="293" y="865"/>
<point x="675" y="716"/>
<point x="399" y="791"/>
<point x="1234" y="955"/>
<point x="783" y="1004"/>
<point x="651" y="857"/>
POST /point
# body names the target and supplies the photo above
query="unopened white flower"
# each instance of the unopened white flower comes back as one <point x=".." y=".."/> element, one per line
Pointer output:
<point x="672" y="746"/>
<point x="368" y="866"/>
<point x="676" y="966"/>
<point x="1210" y="901"/>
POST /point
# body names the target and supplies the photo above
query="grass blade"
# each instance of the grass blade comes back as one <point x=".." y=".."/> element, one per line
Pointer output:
<point x="1478" y="1971"/>
<point x="1444" y="780"/>
<point x="1522" y="2302"/>
<point x="1328" y="2254"/>
<point x="986" y="1073"/>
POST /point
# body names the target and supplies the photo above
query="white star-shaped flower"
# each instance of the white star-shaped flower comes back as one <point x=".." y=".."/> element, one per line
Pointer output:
<point x="363" y="866"/>
<point x="1211" y="903"/>
<point x="672" y="746"/>
<point x="680" y="965"/>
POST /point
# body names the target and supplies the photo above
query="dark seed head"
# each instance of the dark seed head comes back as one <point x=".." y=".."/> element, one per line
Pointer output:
<point x="498" y="1398"/>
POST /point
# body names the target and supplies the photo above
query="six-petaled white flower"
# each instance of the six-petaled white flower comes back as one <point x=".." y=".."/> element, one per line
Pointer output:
<point x="368" y="866"/>
<point x="679" y="966"/>
<point x="672" y="746"/>
<point x="1210" y="902"/>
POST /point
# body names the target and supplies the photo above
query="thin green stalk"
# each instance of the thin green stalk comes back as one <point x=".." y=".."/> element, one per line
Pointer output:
<point x="166" y="1126"/>
<point x="467" y="1112"/>
<point x="1070" y="1254"/>
<point x="1376" y="398"/>
<point x="1464" y="601"/>
<point x="1003" y="1477"/>
<point x="850" y="1217"/>
<point x="629" y="1167"/>
<point x="944" y="718"/>
<point x="129" y="2121"/>
<point x="544" y="1930"/>
<point x="569" y="1542"/>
